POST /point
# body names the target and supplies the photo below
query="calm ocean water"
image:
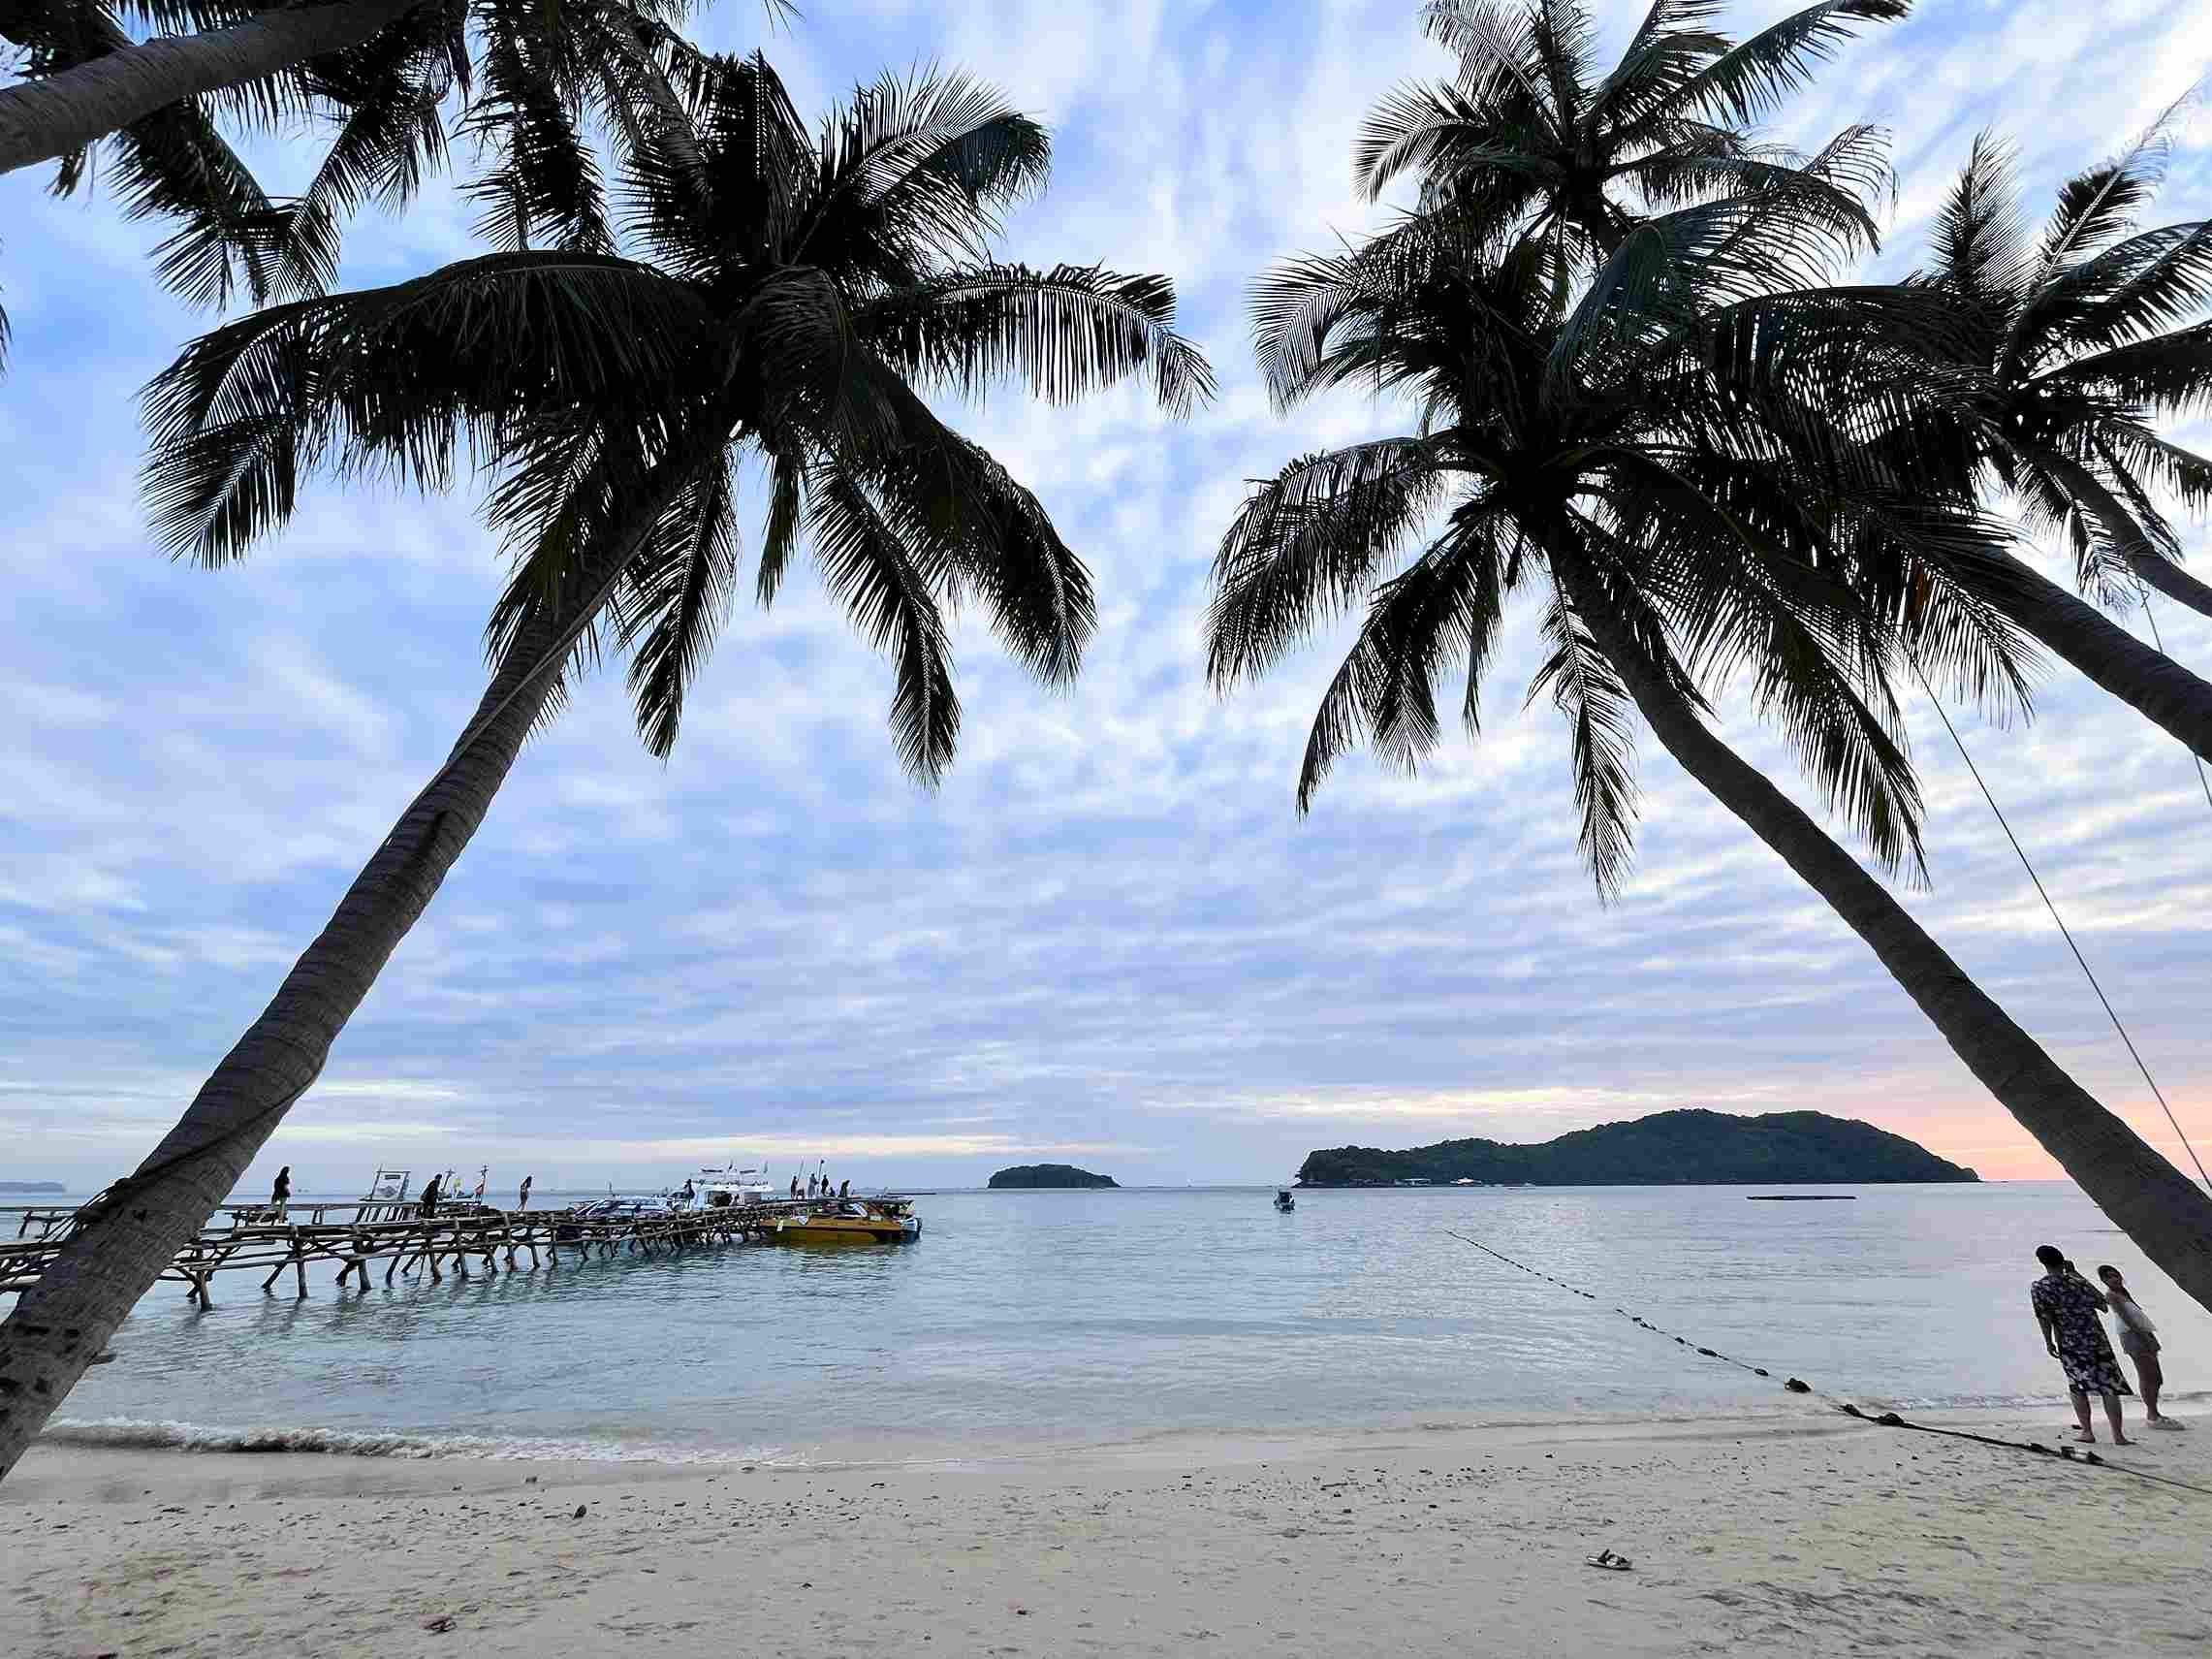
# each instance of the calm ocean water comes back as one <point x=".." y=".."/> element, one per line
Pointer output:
<point x="1022" y="1320"/>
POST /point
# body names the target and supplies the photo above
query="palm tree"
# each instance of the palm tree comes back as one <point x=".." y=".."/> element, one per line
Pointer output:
<point x="789" y="295"/>
<point x="2066" y="339"/>
<point x="89" y="79"/>
<point x="1662" y="467"/>
<point x="529" y="81"/>
<point x="1531" y="139"/>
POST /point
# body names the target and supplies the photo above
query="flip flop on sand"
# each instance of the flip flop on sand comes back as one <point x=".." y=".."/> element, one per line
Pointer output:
<point x="2167" y="1422"/>
<point x="1611" y="1562"/>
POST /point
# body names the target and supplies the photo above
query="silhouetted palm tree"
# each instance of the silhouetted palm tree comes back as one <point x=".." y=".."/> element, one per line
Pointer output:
<point x="1676" y="469"/>
<point x="2068" y="342"/>
<point x="1531" y="139"/>
<point x="791" y="291"/>
<point x="526" y="83"/>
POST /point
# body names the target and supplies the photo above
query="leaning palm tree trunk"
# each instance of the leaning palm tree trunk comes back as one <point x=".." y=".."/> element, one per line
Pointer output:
<point x="131" y="1233"/>
<point x="59" y="114"/>
<point x="2175" y="582"/>
<point x="2146" y="680"/>
<point x="2149" y="1199"/>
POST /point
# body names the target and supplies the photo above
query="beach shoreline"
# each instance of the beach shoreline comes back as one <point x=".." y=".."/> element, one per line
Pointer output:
<point x="1808" y="1534"/>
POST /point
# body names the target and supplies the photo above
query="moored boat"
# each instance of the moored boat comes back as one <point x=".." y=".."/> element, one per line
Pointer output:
<point x="727" y="1188"/>
<point x="881" y="1220"/>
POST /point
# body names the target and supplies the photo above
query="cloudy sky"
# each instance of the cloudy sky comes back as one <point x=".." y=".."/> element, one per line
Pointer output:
<point x="1106" y="938"/>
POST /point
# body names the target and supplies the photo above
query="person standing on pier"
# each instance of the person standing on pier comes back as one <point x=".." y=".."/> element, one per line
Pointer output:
<point x="280" y="1194"/>
<point x="844" y="1189"/>
<point x="523" y="1197"/>
<point x="795" y="1186"/>
<point x="430" y="1206"/>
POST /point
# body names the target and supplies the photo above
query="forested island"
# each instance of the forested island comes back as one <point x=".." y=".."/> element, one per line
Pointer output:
<point x="1688" y="1146"/>
<point x="32" y="1187"/>
<point x="1050" y="1176"/>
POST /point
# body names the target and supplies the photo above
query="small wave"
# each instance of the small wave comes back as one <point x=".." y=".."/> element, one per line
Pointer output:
<point x="142" y="1434"/>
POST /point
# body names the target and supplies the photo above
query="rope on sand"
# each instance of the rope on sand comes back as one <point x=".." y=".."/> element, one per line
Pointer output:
<point x="1796" y="1385"/>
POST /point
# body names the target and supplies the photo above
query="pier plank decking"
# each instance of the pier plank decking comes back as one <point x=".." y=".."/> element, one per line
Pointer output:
<point x="356" y="1234"/>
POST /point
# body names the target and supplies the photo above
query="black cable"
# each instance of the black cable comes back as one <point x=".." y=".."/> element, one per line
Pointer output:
<point x="1795" y="1385"/>
<point x="2203" y="782"/>
<point x="2064" y="931"/>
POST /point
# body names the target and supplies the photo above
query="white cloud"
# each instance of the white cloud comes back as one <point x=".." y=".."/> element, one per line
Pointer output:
<point x="1106" y="934"/>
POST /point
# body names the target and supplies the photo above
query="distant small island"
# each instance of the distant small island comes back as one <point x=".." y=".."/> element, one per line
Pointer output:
<point x="1666" y="1148"/>
<point x="32" y="1187"/>
<point x="1050" y="1176"/>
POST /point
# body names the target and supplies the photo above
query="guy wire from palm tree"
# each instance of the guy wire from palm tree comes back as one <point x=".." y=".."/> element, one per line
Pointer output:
<point x="790" y="296"/>
<point x="1531" y="139"/>
<point x="535" y="90"/>
<point x="2071" y="341"/>
<point x="1681" y="467"/>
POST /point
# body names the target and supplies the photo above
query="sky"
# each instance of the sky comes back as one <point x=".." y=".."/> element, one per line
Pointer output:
<point x="1107" y="937"/>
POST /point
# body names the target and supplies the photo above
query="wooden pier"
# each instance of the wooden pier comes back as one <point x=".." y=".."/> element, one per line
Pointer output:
<point x="396" y="1234"/>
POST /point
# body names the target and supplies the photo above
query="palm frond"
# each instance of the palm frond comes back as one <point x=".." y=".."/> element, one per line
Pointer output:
<point x="1496" y="52"/>
<point x="919" y="168"/>
<point x="756" y="170"/>
<point x="1601" y="729"/>
<point x="888" y="592"/>
<point x="1673" y="272"/>
<point x="2170" y="374"/>
<point x="1665" y="55"/>
<point x="995" y="538"/>
<point x="1063" y="332"/>
<point x="2102" y="203"/>
<point x="2149" y="284"/>
<point x="546" y="187"/>
<point x="1979" y="247"/>
<point x="786" y="505"/>
<point x="1839" y="187"/>
<point x="388" y="98"/>
<point x="391" y="378"/>
<point x="1309" y="543"/>
<point x="678" y="591"/>
<point x="1751" y="80"/>
<point x="1437" y="131"/>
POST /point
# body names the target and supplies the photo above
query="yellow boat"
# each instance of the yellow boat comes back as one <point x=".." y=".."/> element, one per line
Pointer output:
<point x="853" y="1221"/>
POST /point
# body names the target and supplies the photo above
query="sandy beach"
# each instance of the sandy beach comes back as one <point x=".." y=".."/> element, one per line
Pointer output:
<point x="1808" y="1536"/>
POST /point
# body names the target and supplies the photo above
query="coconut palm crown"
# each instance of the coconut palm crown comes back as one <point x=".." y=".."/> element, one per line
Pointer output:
<point x="790" y="294"/>
<point x="1664" y="453"/>
<point x="2084" y="337"/>
<point x="1532" y="137"/>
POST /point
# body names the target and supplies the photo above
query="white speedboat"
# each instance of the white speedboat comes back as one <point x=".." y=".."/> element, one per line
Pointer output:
<point x="728" y="1188"/>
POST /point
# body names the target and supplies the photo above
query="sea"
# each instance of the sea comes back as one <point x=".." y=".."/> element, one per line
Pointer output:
<point x="1034" y="1323"/>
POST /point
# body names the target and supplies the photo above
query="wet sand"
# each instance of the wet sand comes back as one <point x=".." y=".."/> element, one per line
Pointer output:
<point x="1807" y="1535"/>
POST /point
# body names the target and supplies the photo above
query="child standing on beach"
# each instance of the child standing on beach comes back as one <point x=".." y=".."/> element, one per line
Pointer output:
<point x="2139" y="1340"/>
